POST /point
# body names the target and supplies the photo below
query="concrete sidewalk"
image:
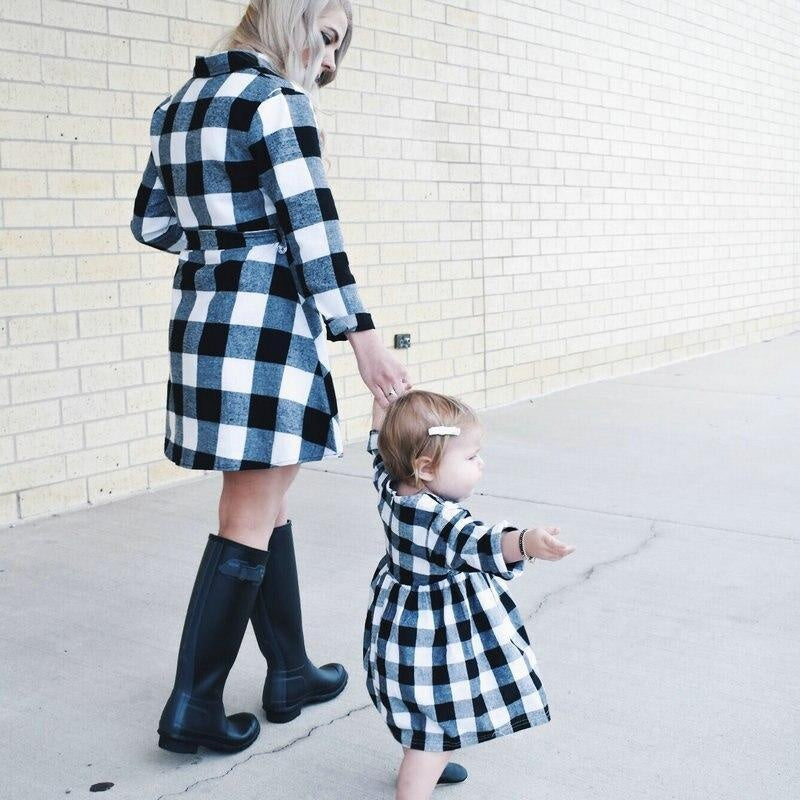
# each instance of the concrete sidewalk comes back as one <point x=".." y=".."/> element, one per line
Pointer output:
<point x="668" y="643"/>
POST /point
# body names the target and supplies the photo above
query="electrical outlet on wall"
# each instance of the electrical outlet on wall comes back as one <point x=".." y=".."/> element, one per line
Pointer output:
<point x="402" y="341"/>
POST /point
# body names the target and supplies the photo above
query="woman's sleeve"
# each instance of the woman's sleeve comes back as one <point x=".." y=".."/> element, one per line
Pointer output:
<point x="154" y="222"/>
<point x="380" y="476"/>
<point x="469" y="544"/>
<point x="286" y="150"/>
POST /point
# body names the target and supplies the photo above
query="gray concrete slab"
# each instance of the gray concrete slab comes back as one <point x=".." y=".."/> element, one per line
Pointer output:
<point x="667" y="642"/>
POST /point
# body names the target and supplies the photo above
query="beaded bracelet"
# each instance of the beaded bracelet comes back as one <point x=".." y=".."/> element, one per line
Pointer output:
<point x="522" y="546"/>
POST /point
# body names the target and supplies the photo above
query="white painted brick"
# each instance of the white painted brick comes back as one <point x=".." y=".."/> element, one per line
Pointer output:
<point x="52" y="327"/>
<point x="98" y="295"/>
<point x="28" y="38"/>
<point x="100" y="102"/>
<point x="137" y="26"/>
<point x="110" y="376"/>
<point x="79" y="241"/>
<point x="31" y="416"/>
<point x="15" y="124"/>
<point x="145" y="451"/>
<point x="31" y="358"/>
<point x="97" y="48"/>
<point x="40" y="271"/>
<point x="37" y="444"/>
<point x="121" y="482"/>
<point x="163" y="473"/>
<point x="106" y="322"/>
<point x="26" y="301"/>
<point x="93" y="406"/>
<point x="94" y="460"/>
<point x="52" y="498"/>
<point x="18" y="184"/>
<point x="9" y="513"/>
<point x="87" y="184"/>
<point x="67" y="71"/>
<point x="27" y="155"/>
<point x="37" y="472"/>
<point x="89" y="351"/>
<point x="37" y="213"/>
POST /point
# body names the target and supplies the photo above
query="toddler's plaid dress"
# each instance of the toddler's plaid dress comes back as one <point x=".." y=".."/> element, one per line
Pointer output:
<point x="447" y="657"/>
<point x="235" y="185"/>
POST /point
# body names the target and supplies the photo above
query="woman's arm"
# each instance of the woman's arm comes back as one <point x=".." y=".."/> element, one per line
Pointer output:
<point x="286" y="150"/>
<point x="154" y="222"/>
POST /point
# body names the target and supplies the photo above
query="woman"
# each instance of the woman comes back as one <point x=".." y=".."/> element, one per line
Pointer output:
<point x="236" y="185"/>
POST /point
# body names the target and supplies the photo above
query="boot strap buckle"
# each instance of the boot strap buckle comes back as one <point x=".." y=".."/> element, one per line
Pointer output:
<point x="241" y="570"/>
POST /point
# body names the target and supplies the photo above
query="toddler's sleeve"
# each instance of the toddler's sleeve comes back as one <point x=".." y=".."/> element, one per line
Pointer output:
<point x="380" y="476"/>
<point x="469" y="544"/>
<point x="286" y="150"/>
<point x="154" y="222"/>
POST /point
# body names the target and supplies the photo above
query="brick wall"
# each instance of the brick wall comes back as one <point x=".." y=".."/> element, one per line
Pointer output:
<point x="543" y="194"/>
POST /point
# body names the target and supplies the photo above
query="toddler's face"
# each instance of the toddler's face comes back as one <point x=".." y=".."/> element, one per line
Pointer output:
<point x="461" y="466"/>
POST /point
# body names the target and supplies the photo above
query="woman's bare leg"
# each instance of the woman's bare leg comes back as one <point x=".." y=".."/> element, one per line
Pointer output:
<point x="251" y="501"/>
<point x="419" y="772"/>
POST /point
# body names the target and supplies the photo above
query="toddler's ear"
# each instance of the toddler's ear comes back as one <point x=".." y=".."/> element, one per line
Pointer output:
<point x="423" y="468"/>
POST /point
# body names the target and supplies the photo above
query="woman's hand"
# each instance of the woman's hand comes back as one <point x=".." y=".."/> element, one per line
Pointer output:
<point x="540" y="542"/>
<point x="381" y="372"/>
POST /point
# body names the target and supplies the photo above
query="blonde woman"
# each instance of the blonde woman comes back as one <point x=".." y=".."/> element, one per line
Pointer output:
<point x="236" y="186"/>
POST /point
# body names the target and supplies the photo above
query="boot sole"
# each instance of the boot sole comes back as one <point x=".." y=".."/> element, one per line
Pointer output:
<point x="175" y="745"/>
<point x="293" y="712"/>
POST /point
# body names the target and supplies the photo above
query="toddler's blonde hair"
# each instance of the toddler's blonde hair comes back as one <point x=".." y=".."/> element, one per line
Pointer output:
<point x="404" y="438"/>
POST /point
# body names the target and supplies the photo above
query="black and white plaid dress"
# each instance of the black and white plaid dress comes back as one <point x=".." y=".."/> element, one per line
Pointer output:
<point x="235" y="185"/>
<point x="447" y="657"/>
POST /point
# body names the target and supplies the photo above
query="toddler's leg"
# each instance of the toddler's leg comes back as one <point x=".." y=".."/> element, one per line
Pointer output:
<point x="419" y="772"/>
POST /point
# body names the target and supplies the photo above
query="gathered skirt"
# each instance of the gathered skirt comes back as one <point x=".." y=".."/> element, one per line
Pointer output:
<point x="449" y="664"/>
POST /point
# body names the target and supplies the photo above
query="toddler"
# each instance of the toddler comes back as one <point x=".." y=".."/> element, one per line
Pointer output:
<point x="448" y="660"/>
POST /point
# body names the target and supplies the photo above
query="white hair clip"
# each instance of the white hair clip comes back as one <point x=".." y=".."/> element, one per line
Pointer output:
<point x="444" y="430"/>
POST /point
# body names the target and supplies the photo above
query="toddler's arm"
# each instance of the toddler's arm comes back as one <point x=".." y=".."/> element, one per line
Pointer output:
<point x="539" y="542"/>
<point x="467" y="543"/>
<point x="470" y="544"/>
<point x="380" y="476"/>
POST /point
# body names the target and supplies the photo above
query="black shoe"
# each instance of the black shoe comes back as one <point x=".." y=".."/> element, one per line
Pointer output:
<point x="227" y="582"/>
<point x="292" y="680"/>
<point x="453" y="773"/>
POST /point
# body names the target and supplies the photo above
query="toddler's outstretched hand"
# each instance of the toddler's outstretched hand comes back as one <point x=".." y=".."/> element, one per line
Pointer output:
<point x="541" y="542"/>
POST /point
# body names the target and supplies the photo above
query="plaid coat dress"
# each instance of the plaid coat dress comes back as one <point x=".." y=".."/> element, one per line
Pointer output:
<point x="236" y="187"/>
<point x="447" y="658"/>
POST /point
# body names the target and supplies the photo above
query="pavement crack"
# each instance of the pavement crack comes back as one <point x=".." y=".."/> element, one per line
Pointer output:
<point x="589" y="573"/>
<point x="535" y="501"/>
<point x="280" y="749"/>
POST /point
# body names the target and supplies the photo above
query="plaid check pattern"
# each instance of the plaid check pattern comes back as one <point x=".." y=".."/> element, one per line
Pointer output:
<point x="235" y="185"/>
<point x="448" y="661"/>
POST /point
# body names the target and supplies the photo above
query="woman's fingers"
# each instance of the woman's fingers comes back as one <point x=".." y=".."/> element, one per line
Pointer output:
<point x="380" y="397"/>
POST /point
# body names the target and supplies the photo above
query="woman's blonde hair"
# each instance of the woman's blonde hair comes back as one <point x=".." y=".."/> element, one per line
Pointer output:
<point x="403" y="439"/>
<point x="281" y="30"/>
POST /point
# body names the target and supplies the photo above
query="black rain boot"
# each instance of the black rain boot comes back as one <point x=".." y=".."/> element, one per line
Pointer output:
<point x="452" y="773"/>
<point x="226" y="585"/>
<point x="292" y="680"/>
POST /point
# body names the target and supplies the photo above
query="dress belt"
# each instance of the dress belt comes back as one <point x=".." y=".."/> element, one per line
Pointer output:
<point x="221" y="239"/>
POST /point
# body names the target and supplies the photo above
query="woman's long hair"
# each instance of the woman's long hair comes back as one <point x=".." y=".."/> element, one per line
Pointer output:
<point x="281" y="30"/>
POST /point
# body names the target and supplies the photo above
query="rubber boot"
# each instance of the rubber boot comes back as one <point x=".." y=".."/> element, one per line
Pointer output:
<point x="227" y="582"/>
<point x="292" y="680"/>
<point x="452" y="773"/>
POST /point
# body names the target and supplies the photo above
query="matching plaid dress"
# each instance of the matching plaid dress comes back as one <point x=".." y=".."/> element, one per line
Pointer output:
<point x="236" y="187"/>
<point x="447" y="657"/>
